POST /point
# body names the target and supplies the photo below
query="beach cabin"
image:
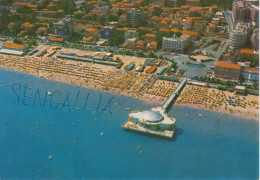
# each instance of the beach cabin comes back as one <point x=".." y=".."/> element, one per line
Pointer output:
<point x="240" y="90"/>
<point x="130" y="66"/>
<point x="151" y="70"/>
<point x="13" y="49"/>
<point x="162" y="70"/>
<point x="201" y="84"/>
<point x="32" y="52"/>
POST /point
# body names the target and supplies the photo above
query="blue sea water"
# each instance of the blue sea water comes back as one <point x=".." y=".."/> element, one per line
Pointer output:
<point x="89" y="142"/>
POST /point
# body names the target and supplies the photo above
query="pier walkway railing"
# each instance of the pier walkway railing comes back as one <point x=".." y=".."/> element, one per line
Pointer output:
<point x="174" y="94"/>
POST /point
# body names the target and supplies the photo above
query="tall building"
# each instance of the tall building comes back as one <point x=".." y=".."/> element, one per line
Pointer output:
<point x="64" y="27"/>
<point x="254" y="15"/>
<point x="255" y="39"/>
<point x="240" y="11"/>
<point x="176" y="44"/>
<point x="239" y="36"/>
<point x="227" y="71"/>
<point x="135" y="17"/>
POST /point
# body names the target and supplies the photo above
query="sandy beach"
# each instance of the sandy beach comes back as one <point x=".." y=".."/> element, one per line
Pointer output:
<point x="216" y="100"/>
<point x="145" y="87"/>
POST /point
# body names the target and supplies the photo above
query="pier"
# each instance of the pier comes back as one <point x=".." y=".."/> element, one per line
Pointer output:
<point x="174" y="94"/>
<point x="155" y="121"/>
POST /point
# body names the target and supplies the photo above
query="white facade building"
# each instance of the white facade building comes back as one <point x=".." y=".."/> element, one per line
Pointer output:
<point x="176" y="44"/>
<point x="251" y="75"/>
<point x="239" y="36"/>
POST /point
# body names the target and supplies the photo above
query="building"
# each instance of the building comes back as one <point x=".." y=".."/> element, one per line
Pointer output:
<point x="27" y="26"/>
<point x="240" y="11"/>
<point x="152" y="46"/>
<point x="212" y="28"/>
<point x="131" y="33"/>
<point x="152" y="62"/>
<point x="160" y="3"/>
<point x="239" y="36"/>
<point x="228" y="71"/>
<point x="140" y="44"/>
<point x="64" y="27"/>
<point x="251" y="75"/>
<point x="14" y="49"/>
<point x="193" y="2"/>
<point x="135" y="17"/>
<point x="106" y="32"/>
<point x="92" y="32"/>
<point x="255" y="39"/>
<point x="149" y="38"/>
<point x="254" y="15"/>
<point x="42" y="30"/>
<point x="165" y="3"/>
<point x="176" y="44"/>
<point x="130" y="42"/>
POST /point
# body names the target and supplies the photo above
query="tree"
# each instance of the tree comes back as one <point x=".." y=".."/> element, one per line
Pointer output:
<point x="174" y="65"/>
<point x="116" y="39"/>
<point x="17" y="41"/>
<point x="140" y="54"/>
<point x="152" y="55"/>
<point x="112" y="17"/>
<point x="24" y="10"/>
<point x="76" y="37"/>
<point x="119" y="13"/>
<point x="157" y="12"/>
<point x="102" y="20"/>
<point x="146" y="2"/>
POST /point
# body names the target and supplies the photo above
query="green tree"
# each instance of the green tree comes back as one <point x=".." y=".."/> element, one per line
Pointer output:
<point x="116" y="39"/>
<point x="76" y="37"/>
<point x="140" y="54"/>
<point x="24" y="10"/>
<point x="112" y="17"/>
<point x="119" y="13"/>
<point x="17" y="41"/>
<point x="157" y="12"/>
<point x="152" y="55"/>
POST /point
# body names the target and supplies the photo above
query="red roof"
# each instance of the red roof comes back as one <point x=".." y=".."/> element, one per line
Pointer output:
<point x="246" y="51"/>
<point x="163" y="30"/>
<point x="57" y="39"/>
<point x="154" y="43"/>
<point x="224" y="64"/>
<point x="13" y="46"/>
<point x="91" y="30"/>
<point x="150" y="35"/>
<point x="252" y="69"/>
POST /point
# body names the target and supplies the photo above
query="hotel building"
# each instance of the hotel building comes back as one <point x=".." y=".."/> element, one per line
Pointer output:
<point x="239" y="36"/>
<point x="228" y="71"/>
<point x="176" y="44"/>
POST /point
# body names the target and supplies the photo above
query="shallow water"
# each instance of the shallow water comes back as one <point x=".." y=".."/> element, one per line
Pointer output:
<point x="89" y="142"/>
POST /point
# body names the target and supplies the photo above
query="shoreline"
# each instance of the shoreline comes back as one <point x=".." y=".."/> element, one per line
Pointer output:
<point x="72" y="80"/>
<point x="75" y="81"/>
<point x="95" y="79"/>
<point x="248" y="116"/>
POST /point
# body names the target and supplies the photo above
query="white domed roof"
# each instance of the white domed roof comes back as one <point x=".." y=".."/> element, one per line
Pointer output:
<point x="152" y="116"/>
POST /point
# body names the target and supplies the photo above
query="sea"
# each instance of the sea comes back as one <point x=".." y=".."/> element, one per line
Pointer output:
<point x="51" y="130"/>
